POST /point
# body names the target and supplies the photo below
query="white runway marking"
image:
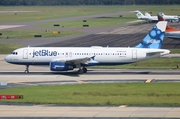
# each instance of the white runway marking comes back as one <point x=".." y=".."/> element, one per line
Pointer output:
<point x="9" y="26"/>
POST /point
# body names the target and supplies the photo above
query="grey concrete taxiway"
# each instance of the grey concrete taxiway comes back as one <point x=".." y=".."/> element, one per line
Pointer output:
<point x="52" y="111"/>
<point x="14" y="75"/>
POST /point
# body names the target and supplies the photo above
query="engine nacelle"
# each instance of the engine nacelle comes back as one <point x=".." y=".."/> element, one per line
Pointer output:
<point x="60" y="66"/>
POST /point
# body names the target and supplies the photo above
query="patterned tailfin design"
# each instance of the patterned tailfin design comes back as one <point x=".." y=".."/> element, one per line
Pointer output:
<point x="155" y="37"/>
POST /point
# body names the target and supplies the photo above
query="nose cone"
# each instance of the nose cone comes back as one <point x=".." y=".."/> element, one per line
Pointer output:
<point x="7" y="58"/>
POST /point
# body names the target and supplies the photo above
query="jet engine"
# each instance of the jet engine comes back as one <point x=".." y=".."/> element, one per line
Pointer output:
<point x="60" y="66"/>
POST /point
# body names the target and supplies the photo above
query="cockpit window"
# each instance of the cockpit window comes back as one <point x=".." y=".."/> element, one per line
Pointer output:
<point x="14" y="53"/>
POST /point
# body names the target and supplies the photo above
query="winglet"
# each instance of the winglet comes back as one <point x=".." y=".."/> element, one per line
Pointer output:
<point x="155" y="37"/>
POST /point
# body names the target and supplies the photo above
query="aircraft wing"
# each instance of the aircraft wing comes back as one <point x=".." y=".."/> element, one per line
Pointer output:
<point x="82" y="60"/>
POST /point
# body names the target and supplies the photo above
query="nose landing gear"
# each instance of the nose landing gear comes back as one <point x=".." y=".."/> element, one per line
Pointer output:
<point x="27" y="69"/>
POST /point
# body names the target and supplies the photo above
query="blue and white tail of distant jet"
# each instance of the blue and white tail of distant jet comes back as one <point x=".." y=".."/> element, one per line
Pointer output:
<point x="68" y="58"/>
<point x="154" y="38"/>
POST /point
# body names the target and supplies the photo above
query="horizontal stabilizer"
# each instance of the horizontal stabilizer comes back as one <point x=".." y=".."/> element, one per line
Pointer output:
<point x="158" y="53"/>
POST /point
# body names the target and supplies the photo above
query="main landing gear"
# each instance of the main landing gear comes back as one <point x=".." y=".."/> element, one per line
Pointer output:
<point x="82" y="70"/>
<point x="27" y="69"/>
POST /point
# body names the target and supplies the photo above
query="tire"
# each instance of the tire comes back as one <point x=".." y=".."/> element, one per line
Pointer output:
<point x="84" y="70"/>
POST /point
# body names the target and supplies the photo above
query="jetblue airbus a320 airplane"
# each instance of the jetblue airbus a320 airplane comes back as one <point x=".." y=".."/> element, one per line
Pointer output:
<point x="68" y="58"/>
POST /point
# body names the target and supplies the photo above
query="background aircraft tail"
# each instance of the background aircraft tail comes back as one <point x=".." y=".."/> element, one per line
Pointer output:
<point x="147" y="14"/>
<point x="139" y="14"/>
<point x="155" y="37"/>
<point x="160" y="17"/>
<point x="168" y="28"/>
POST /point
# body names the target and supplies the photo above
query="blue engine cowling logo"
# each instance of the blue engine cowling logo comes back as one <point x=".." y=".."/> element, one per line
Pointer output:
<point x="60" y="66"/>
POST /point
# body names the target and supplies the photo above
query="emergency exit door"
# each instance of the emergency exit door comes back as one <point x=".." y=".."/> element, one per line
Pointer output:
<point x="134" y="54"/>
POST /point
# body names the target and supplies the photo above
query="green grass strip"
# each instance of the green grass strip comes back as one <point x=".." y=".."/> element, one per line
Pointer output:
<point x="27" y="34"/>
<point x="7" y="48"/>
<point x="52" y="12"/>
<point x="154" y="94"/>
<point x="174" y="51"/>
<point x="95" y="22"/>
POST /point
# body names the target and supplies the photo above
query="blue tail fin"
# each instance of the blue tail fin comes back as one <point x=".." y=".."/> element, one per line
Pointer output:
<point x="155" y="37"/>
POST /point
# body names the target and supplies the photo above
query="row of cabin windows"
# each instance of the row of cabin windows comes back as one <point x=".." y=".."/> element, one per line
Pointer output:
<point x="93" y="53"/>
<point x="87" y="53"/>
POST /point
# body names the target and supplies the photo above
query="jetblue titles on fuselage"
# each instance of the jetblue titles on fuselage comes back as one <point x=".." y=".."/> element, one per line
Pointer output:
<point x="44" y="53"/>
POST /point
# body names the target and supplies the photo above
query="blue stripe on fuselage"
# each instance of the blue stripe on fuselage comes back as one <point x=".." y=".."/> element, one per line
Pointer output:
<point x="47" y="63"/>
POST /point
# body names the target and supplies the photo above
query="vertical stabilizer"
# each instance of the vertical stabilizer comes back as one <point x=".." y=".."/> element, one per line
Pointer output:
<point x="168" y="28"/>
<point x="155" y="37"/>
<point x="139" y="14"/>
<point x="147" y="14"/>
<point x="160" y="16"/>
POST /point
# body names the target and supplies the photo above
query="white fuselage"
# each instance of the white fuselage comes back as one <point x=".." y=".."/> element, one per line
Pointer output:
<point x="155" y="18"/>
<point x="101" y="55"/>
